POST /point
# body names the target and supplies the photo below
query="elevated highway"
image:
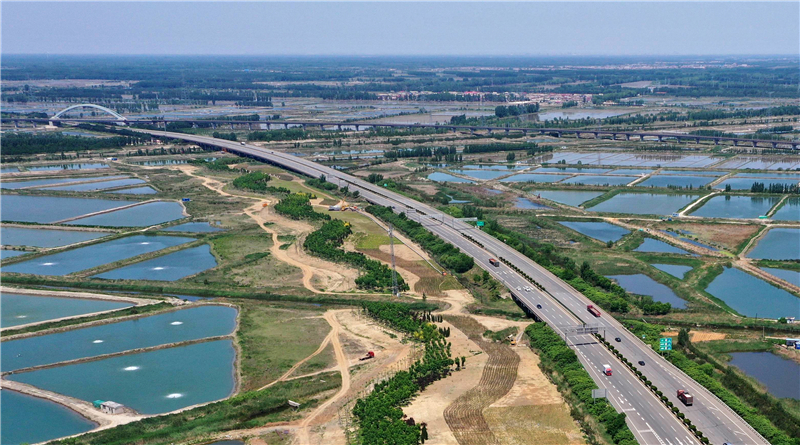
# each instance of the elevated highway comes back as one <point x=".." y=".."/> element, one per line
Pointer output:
<point x="562" y="307"/>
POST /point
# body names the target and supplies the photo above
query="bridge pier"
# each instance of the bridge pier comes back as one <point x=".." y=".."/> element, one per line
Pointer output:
<point x="774" y="145"/>
<point x="660" y="138"/>
<point x="541" y="131"/>
<point x="627" y="137"/>
<point x="755" y="144"/>
<point x="716" y="141"/>
<point x="16" y="124"/>
<point x="249" y="127"/>
<point x="735" y="142"/>
<point x="339" y="127"/>
<point x="596" y="135"/>
<point x="696" y="140"/>
<point x="524" y="132"/>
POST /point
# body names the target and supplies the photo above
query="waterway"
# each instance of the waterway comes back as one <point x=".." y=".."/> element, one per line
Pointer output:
<point x="676" y="270"/>
<point x="171" y="327"/>
<point x="752" y="296"/>
<point x="641" y="284"/>
<point x="19" y="309"/>
<point x="644" y="203"/>
<point x="527" y="204"/>
<point x="736" y="207"/>
<point x="569" y="197"/>
<point x="87" y="257"/>
<point x="28" y="419"/>
<point x="136" y="191"/>
<point x="47" y="209"/>
<point x="602" y="231"/>
<point x="780" y="243"/>
<point x="781" y="376"/>
<point x="170" y="267"/>
<point x="21" y="236"/>
<point x="152" y="382"/>
<point x="658" y="246"/>
<point x="140" y="216"/>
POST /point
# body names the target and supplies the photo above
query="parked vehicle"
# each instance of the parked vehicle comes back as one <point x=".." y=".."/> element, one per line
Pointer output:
<point x="368" y="356"/>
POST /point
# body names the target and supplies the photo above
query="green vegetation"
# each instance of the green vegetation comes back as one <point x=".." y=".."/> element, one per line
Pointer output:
<point x="559" y="361"/>
<point x="258" y="182"/>
<point x="501" y="335"/>
<point x="16" y="144"/>
<point x="298" y="206"/>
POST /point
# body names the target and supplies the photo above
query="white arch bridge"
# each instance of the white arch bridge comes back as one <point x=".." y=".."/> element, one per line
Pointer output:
<point x="119" y="117"/>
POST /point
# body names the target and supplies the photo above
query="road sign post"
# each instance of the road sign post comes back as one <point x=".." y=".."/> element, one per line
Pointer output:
<point x="665" y="344"/>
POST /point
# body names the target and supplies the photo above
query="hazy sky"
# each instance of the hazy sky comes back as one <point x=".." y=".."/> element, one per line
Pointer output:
<point x="400" y="28"/>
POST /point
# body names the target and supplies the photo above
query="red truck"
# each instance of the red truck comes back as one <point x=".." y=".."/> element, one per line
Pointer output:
<point x="370" y="355"/>
<point x="593" y="310"/>
<point x="685" y="397"/>
<point x="494" y="262"/>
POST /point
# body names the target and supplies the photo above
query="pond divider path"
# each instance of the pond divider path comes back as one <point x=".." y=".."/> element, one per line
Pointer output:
<point x="101" y="212"/>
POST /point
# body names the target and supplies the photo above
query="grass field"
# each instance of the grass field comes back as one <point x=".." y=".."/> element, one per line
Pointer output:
<point x="516" y="425"/>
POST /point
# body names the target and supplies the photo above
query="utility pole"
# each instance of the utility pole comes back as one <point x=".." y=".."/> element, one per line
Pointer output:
<point x="395" y="290"/>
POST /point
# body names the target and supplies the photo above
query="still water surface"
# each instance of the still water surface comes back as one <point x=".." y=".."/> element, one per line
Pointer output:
<point x="780" y="243"/>
<point x="47" y="209"/>
<point x="28" y="419"/>
<point x="569" y="197"/>
<point x="781" y="376"/>
<point x="21" y="236"/>
<point x="644" y="203"/>
<point x="658" y="246"/>
<point x="170" y="267"/>
<point x="143" y="215"/>
<point x="21" y="309"/>
<point x="641" y="284"/>
<point x="736" y="207"/>
<point x="752" y="296"/>
<point x="194" y="227"/>
<point x="602" y="231"/>
<point x="444" y="177"/>
<point x="789" y="211"/>
<point x="676" y="270"/>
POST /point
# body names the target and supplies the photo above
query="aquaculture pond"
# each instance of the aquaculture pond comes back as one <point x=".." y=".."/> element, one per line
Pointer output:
<point x="752" y="296"/>
<point x="135" y="191"/>
<point x="658" y="246"/>
<point x="569" y="197"/>
<point x="79" y="166"/>
<point x="152" y="382"/>
<point x="87" y="257"/>
<point x="13" y="185"/>
<point x="148" y="214"/>
<point x="170" y="327"/>
<point x="789" y="211"/>
<point x="524" y="203"/>
<point x="628" y="159"/>
<point x="675" y="181"/>
<point x="509" y="167"/>
<point x="11" y="253"/>
<point x="602" y="231"/>
<point x="632" y="171"/>
<point x="641" y="284"/>
<point x="600" y="180"/>
<point x="738" y="183"/>
<point x="444" y="177"/>
<point x="780" y="243"/>
<point x="28" y="419"/>
<point x="19" y="309"/>
<point x="736" y="207"/>
<point x="195" y="227"/>
<point x="644" y="203"/>
<point x="48" y="209"/>
<point x="22" y="236"/>
<point x="792" y="276"/>
<point x="92" y="186"/>
<point x="483" y="174"/>
<point x="571" y="170"/>
<point x="676" y="270"/>
<point x="534" y="177"/>
<point x="170" y="267"/>
<point x="693" y="172"/>
<point x="161" y="162"/>
<point x="779" y="375"/>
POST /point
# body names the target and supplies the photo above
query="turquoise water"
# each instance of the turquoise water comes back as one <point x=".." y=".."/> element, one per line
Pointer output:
<point x="83" y="258"/>
<point x="569" y="197"/>
<point x="21" y="309"/>
<point x="444" y="177"/>
<point x="778" y="244"/>
<point x="789" y="211"/>
<point x="143" y="215"/>
<point x="736" y="207"/>
<point x="171" y="327"/>
<point x="675" y="270"/>
<point x="524" y="203"/>
<point x="509" y="167"/>
<point x="47" y="209"/>
<point x="602" y="231"/>
<point x="533" y="177"/>
<point x="644" y="203"/>
<point x="20" y="236"/>
<point x="483" y="174"/>
<point x="692" y="172"/>
<point x="194" y="227"/>
<point x="641" y="284"/>
<point x="571" y="170"/>
<point x="28" y="419"/>
<point x="778" y="374"/>
<point x="792" y="276"/>
<point x="752" y="296"/>
<point x="11" y="253"/>
<point x="136" y="191"/>
<point x="68" y="166"/>
<point x="738" y="183"/>
<point x="170" y="267"/>
<point x="675" y="181"/>
<point x="96" y="185"/>
<point x="600" y="180"/>
<point x="150" y="382"/>
<point x="658" y="246"/>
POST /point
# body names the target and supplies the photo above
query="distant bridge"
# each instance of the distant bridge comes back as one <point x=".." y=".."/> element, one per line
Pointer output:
<point x="358" y="126"/>
<point x="119" y="117"/>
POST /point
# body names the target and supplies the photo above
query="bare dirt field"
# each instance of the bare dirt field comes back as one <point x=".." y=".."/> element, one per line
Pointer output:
<point x="698" y="336"/>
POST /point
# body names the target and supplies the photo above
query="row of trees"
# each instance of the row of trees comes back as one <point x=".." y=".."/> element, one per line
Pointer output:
<point x="258" y="182"/>
<point x="15" y="144"/>
<point x="530" y="147"/>
<point x="557" y="357"/>
<point x="379" y="415"/>
<point x="760" y="187"/>
<point x="445" y="253"/>
<point x="515" y="110"/>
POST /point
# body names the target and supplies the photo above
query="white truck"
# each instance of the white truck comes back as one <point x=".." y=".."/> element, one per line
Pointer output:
<point x="607" y="369"/>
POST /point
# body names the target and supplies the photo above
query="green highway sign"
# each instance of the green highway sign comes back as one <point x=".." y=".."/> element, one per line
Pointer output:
<point x="481" y="223"/>
<point x="665" y="344"/>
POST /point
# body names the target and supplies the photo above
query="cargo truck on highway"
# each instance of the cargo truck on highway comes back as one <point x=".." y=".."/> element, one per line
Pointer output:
<point x="494" y="262"/>
<point x="685" y="397"/>
<point x="593" y="310"/>
<point x="607" y="369"/>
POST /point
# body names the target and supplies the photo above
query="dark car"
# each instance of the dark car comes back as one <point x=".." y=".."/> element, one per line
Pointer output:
<point x="618" y="339"/>
<point x="641" y="362"/>
<point x="538" y="306"/>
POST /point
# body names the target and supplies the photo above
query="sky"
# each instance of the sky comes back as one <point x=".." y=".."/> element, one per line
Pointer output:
<point x="406" y="28"/>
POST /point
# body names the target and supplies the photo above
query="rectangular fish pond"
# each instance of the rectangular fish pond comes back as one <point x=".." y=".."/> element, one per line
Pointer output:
<point x="19" y="309"/>
<point x="143" y="215"/>
<point x="27" y="419"/>
<point x="48" y="209"/>
<point x="751" y="296"/>
<point x="569" y="197"/>
<point x="170" y="267"/>
<point x="644" y="203"/>
<point x="641" y="284"/>
<point x="658" y="246"/>
<point x="602" y="231"/>
<point x="535" y="177"/>
<point x="23" y="236"/>
<point x="780" y="243"/>
<point x="728" y="206"/>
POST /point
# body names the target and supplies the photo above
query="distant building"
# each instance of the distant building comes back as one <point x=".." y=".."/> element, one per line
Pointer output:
<point x="109" y="407"/>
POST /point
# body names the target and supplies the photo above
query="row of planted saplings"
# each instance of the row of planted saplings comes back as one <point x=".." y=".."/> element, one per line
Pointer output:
<point x="524" y="275"/>
<point x="664" y="399"/>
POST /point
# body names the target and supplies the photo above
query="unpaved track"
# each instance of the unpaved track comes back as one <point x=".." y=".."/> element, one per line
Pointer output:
<point x="465" y="415"/>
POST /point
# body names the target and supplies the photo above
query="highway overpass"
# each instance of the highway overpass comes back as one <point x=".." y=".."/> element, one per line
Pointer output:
<point x="562" y="307"/>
